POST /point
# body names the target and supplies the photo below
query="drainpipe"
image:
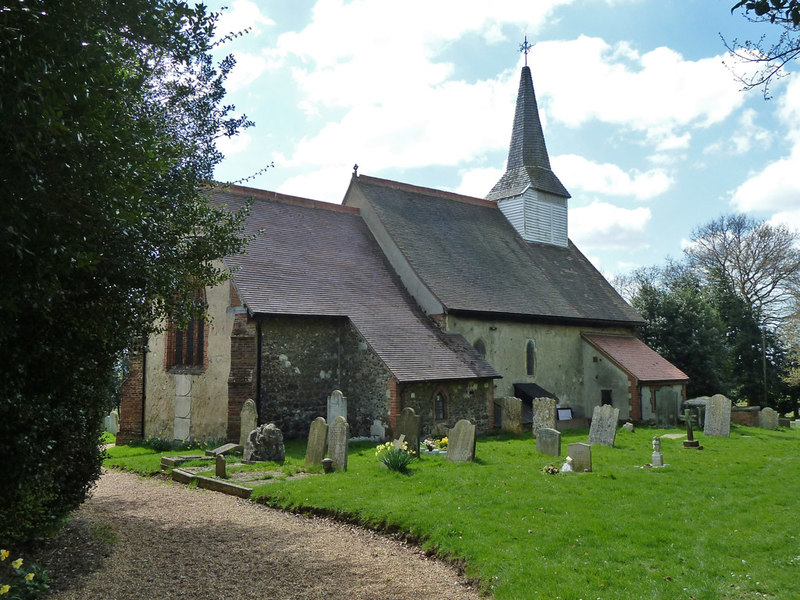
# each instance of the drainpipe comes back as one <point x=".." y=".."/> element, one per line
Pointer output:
<point x="258" y="365"/>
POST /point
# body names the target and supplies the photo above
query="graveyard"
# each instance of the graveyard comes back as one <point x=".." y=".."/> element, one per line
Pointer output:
<point x="713" y="523"/>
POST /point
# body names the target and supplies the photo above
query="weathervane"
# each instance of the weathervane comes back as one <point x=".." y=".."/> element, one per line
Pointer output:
<point x="355" y="170"/>
<point x="525" y="47"/>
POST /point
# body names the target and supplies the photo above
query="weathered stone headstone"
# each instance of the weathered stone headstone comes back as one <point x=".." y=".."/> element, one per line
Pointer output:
<point x="220" y="464"/>
<point x="399" y="442"/>
<point x="628" y="427"/>
<point x="690" y="442"/>
<point x="377" y="430"/>
<point x="111" y="422"/>
<point x="604" y="425"/>
<point x="768" y="418"/>
<point x="510" y="414"/>
<point x="338" y="439"/>
<point x="337" y="406"/>
<point x="544" y="414"/>
<point x="581" y="455"/>
<point x="548" y="441"/>
<point x="248" y="420"/>
<point x="718" y="416"/>
<point x="409" y="424"/>
<point x="317" y="438"/>
<point x="657" y="460"/>
<point x="265" y="443"/>
<point x="461" y="442"/>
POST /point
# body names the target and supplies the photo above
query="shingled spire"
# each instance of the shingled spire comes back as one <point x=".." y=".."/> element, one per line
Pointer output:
<point x="529" y="188"/>
<point x="528" y="162"/>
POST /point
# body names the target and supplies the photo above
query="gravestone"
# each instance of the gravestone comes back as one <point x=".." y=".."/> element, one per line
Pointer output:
<point x="265" y="443"/>
<point x="581" y="455"/>
<point x="795" y="424"/>
<point x="409" y="424"/>
<point x="220" y="464"/>
<point x="544" y="414"/>
<point x="657" y="460"/>
<point x="399" y="442"/>
<point x="604" y="425"/>
<point x="317" y="438"/>
<point x="718" y="416"/>
<point x="548" y="441"/>
<point x="690" y="442"/>
<point x="628" y="427"/>
<point x="111" y="422"/>
<point x="666" y="408"/>
<point x="461" y="442"/>
<point x="511" y="414"/>
<point x="248" y="420"/>
<point x="768" y="418"/>
<point x="337" y="406"/>
<point x="377" y="430"/>
<point x="783" y="423"/>
<point x="338" y="437"/>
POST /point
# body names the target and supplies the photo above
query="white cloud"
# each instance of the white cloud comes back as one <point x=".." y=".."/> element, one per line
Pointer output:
<point x="790" y="218"/>
<point x="326" y="184"/>
<point x="656" y="93"/>
<point x="243" y="14"/>
<point x="578" y="172"/>
<point x="248" y="68"/>
<point x="233" y="145"/>
<point x="606" y="226"/>
<point x="774" y="188"/>
<point x="478" y="182"/>
<point x="747" y="134"/>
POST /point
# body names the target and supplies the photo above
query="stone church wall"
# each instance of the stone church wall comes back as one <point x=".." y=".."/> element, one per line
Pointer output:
<point x="303" y="359"/>
<point x="464" y="400"/>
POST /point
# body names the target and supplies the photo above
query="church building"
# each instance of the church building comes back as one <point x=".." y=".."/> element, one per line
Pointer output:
<point x="403" y="296"/>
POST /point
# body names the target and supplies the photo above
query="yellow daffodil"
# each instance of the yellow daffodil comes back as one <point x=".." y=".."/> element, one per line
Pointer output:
<point x="4" y="589"/>
<point x="17" y="563"/>
<point x="4" y="554"/>
<point x="29" y="577"/>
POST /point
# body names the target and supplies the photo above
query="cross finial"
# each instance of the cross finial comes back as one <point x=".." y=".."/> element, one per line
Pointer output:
<point x="525" y="47"/>
<point x="355" y="170"/>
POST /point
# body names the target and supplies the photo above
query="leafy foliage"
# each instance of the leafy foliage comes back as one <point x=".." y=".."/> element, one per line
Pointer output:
<point x="110" y="114"/>
<point x="395" y="458"/>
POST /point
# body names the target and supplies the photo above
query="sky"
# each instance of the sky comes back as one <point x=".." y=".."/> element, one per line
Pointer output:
<point x="645" y="121"/>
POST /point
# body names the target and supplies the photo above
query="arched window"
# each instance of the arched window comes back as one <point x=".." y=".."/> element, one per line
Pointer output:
<point x="185" y="348"/>
<point x="480" y="348"/>
<point x="530" y="358"/>
<point x="440" y="406"/>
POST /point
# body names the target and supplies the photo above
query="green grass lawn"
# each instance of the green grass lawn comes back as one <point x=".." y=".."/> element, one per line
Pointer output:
<point x="720" y="523"/>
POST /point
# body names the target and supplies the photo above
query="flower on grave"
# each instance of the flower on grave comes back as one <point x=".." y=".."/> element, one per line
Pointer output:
<point x="429" y="444"/>
<point x="4" y="554"/>
<point x="5" y="589"/>
<point x="443" y="443"/>
<point x="17" y="563"/>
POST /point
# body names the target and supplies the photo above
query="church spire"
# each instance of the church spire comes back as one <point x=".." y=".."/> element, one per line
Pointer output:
<point x="528" y="162"/>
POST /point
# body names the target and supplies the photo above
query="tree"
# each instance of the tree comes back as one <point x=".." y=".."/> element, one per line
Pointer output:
<point x="769" y="57"/>
<point x="110" y="113"/>
<point x="683" y="326"/>
<point x="760" y="262"/>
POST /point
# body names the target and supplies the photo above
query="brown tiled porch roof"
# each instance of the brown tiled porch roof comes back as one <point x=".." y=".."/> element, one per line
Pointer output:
<point x="319" y="259"/>
<point x="635" y="357"/>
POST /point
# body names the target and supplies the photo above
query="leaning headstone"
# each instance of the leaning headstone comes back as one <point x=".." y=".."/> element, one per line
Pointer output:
<point x="248" y="420"/>
<point x="544" y="414"/>
<point x="718" y="416"/>
<point x="399" y="442"/>
<point x="581" y="455"/>
<point x="768" y="418"/>
<point x="657" y="460"/>
<point x="338" y="436"/>
<point x="337" y="406"/>
<point x="221" y="463"/>
<point x="317" y="438"/>
<point x="461" y="442"/>
<point x="604" y="425"/>
<point x="511" y="414"/>
<point x="409" y="424"/>
<point x="265" y="443"/>
<point x="224" y="449"/>
<point x="548" y="441"/>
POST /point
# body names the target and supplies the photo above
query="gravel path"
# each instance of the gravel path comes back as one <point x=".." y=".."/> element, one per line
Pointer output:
<point x="146" y="538"/>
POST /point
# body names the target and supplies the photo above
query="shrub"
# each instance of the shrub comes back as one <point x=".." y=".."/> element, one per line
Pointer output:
<point x="20" y="582"/>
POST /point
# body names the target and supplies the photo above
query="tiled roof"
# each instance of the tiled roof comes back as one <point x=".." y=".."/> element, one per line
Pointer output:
<point x="528" y="162"/>
<point x="315" y="258"/>
<point x="636" y="357"/>
<point x="472" y="259"/>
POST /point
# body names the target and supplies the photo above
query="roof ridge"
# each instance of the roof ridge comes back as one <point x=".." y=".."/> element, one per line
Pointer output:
<point x="260" y="194"/>
<point x="399" y="185"/>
